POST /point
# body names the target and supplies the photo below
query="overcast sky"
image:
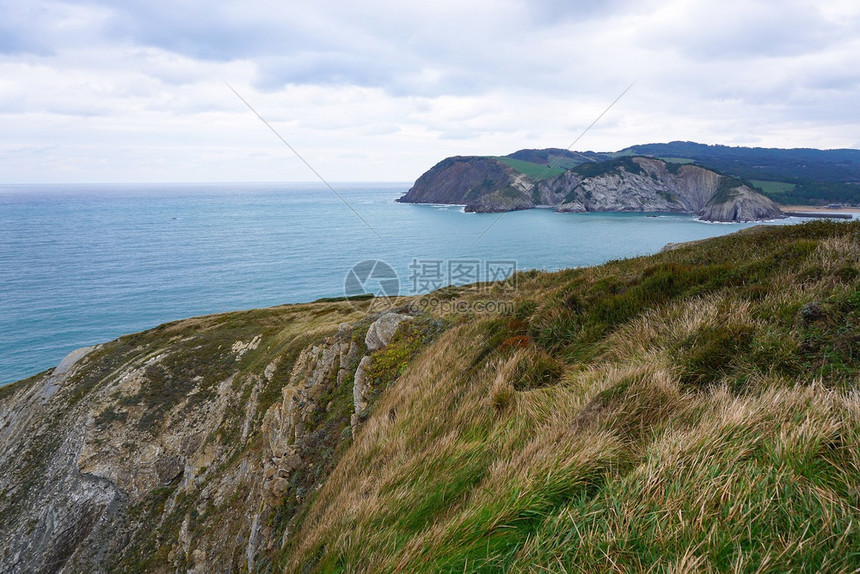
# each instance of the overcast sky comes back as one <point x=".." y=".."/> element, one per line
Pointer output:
<point x="135" y="90"/>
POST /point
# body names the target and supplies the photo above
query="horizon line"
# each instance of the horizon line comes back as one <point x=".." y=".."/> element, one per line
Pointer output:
<point x="166" y="182"/>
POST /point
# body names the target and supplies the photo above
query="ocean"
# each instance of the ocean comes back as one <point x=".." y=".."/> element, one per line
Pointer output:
<point x="84" y="264"/>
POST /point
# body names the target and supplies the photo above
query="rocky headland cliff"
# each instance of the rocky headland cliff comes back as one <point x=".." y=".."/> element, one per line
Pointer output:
<point x="695" y="410"/>
<point x="480" y="183"/>
<point x="639" y="184"/>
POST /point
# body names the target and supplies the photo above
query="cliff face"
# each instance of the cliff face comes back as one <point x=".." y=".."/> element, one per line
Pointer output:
<point x="627" y="184"/>
<point x="651" y="185"/>
<point x="744" y="204"/>
<point x="639" y="184"/>
<point x="187" y="448"/>
<point x="480" y="183"/>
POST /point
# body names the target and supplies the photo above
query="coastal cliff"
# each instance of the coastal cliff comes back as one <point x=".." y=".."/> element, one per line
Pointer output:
<point x="586" y="409"/>
<point x="637" y="184"/>
<point x="189" y="447"/>
<point x="480" y="183"/>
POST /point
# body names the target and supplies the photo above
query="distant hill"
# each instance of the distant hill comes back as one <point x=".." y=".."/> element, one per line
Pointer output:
<point x="796" y="165"/>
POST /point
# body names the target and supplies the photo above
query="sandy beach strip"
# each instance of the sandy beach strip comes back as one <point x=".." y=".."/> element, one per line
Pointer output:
<point x="818" y="209"/>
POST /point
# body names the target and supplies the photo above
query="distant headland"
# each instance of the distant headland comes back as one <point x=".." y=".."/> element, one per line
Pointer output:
<point x="716" y="183"/>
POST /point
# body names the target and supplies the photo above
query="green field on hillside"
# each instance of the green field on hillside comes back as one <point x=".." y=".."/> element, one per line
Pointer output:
<point x="773" y="189"/>
<point x="679" y="160"/>
<point x="535" y="171"/>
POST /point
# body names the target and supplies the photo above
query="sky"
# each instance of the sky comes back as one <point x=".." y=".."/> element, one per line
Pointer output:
<point x="376" y="90"/>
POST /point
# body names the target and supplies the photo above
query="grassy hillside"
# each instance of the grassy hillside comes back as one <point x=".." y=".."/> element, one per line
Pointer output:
<point x="692" y="411"/>
<point x="817" y="193"/>
<point x="535" y="162"/>
<point x="556" y="157"/>
<point x="773" y="189"/>
<point x="537" y="172"/>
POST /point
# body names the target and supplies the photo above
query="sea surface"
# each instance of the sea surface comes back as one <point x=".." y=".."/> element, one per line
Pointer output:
<point x="84" y="264"/>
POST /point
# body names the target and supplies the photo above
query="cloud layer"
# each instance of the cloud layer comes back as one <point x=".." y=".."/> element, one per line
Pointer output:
<point x="380" y="90"/>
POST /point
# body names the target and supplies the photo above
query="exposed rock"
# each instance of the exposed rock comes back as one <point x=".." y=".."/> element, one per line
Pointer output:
<point x="382" y="330"/>
<point x="359" y="386"/>
<point x="649" y="185"/>
<point x="60" y="373"/>
<point x="270" y="370"/>
<point x="285" y="427"/>
<point x="743" y="205"/>
<point x="240" y="347"/>
<point x="113" y="453"/>
<point x="500" y="201"/>
<point x="465" y="180"/>
<point x="638" y="184"/>
<point x="70" y="361"/>
<point x="169" y="468"/>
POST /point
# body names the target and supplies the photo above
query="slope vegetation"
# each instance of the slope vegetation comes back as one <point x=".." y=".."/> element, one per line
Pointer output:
<point x="692" y="411"/>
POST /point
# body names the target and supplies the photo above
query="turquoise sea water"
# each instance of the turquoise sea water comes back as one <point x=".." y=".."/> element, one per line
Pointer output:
<point x="83" y="264"/>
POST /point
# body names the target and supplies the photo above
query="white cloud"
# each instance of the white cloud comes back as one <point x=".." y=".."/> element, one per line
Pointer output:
<point x="381" y="90"/>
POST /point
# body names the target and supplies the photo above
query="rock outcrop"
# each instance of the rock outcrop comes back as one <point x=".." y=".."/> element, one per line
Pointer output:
<point x="379" y="335"/>
<point x="288" y="425"/>
<point x="651" y="185"/>
<point x="381" y="331"/>
<point x="744" y="204"/>
<point x="190" y="447"/>
<point x="467" y="180"/>
<point x="626" y="184"/>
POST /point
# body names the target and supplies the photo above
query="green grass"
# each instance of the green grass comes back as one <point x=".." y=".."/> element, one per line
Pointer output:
<point x="536" y="172"/>
<point x="809" y="192"/>
<point x="388" y="363"/>
<point x="773" y="189"/>
<point x="678" y="160"/>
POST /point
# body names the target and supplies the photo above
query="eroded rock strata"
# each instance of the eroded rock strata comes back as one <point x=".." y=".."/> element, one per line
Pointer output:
<point x="627" y="184"/>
